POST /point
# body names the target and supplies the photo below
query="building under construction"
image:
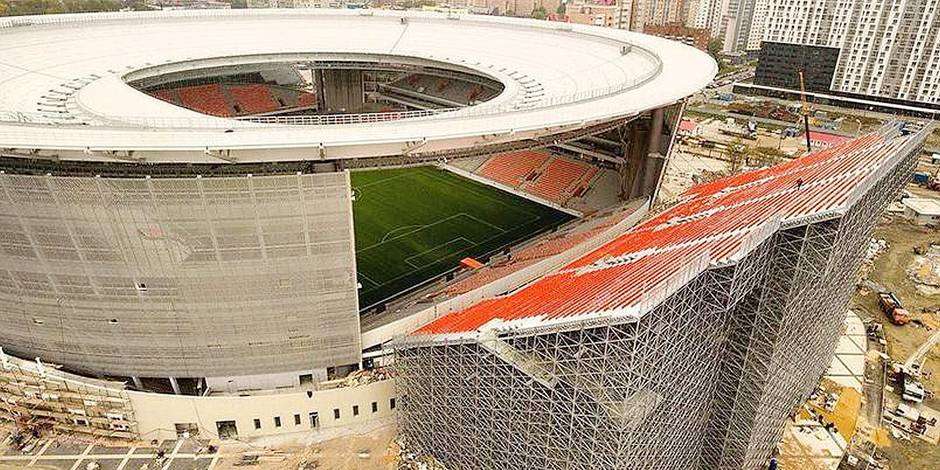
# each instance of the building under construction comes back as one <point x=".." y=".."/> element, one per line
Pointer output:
<point x="685" y="343"/>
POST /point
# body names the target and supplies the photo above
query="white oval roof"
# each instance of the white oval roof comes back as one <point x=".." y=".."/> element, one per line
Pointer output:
<point x="62" y="86"/>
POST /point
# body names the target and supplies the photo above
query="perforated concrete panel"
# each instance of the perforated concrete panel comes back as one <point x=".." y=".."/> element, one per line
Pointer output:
<point x="185" y="277"/>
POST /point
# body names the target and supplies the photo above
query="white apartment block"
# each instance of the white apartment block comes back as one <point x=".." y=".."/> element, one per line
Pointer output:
<point x="758" y="20"/>
<point x="636" y="14"/>
<point x="889" y="48"/>
<point x="738" y="23"/>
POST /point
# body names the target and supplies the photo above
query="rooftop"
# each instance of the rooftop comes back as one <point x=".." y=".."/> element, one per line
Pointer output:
<point x="924" y="206"/>
<point x="62" y="80"/>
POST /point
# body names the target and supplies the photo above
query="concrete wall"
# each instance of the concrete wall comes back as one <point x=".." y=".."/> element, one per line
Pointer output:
<point x="342" y="90"/>
<point x="157" y="414"/>
<point x="181" y="277"/>
<point x="240" y="383"/>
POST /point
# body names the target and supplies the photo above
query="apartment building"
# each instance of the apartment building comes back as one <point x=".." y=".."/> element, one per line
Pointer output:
<point x="888" y="49"/>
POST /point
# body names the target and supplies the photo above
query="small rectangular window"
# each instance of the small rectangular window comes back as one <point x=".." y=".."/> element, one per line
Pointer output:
<point x="277" y="421"/>
<point x="297" y="420"/>
<point x="355" y="410"/>
<point x="335" y="413"/>
<point x="375" y="406"/>
<point x="257" y="423"/>
<point x="391" y="403"/>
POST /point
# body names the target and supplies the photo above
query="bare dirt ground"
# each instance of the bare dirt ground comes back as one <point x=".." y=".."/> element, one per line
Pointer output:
<point x="890" y="270"/>
<point x="372" y="450"/>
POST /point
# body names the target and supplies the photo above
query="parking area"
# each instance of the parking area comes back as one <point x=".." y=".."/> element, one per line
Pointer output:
<point x="61" y="453"/>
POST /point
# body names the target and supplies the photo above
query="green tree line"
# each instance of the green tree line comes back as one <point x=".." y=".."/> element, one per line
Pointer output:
<point x="43" y="7"/>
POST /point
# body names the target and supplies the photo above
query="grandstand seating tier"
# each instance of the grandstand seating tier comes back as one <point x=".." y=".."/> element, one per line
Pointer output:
<point x="561" y="178"/>
<point x="512" y="168"/>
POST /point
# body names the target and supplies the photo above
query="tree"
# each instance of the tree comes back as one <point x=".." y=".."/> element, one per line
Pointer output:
<point x="714" y="48"/>
<point x="539" y="13"/>
<point x="737" y="155"/>
<point x="562" y="8"/>
<point x="45" y="7"/>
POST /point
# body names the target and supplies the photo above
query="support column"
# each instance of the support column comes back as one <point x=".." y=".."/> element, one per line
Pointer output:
<point x="656" y="131"/>
<point x="175" y="385"/>
<point x="137" y="383"/>
<point x="321" y="89"/>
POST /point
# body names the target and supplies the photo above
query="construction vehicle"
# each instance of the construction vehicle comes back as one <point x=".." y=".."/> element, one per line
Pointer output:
<point x="893" y="309"/>
<point x="933" y="184"/>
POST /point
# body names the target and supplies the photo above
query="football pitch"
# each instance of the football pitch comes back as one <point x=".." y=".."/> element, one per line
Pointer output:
<point x="413" y="224"/>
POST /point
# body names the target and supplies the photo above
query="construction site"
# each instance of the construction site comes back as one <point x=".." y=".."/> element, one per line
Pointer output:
<point x="490" y="386"/>
<point x="877" y="406"/>
<point x="393" y="257"/>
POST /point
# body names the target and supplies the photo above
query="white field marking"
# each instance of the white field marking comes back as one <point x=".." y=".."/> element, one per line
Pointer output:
<point x="363" y="275"/>
<point x="41" y="450"/>
<point x="173" y="454"/>
<point x="532" y="216"/>
<point x="127" y="458"/>
<point x="487" y="239"/>
<point x="82" y="457"/>
<point x="501" y="230"/>
<point x="420" y="228"/>
<point x="396" y="229"/>
<point x="408" y="259"/>
<point x="470" y="188"/>
<point x="373" y="183"/>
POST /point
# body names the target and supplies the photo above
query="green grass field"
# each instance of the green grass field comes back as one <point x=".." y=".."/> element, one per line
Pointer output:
<point x="413" y="224"/>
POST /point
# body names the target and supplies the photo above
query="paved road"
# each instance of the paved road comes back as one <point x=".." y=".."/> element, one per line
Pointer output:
<point x="66" y="455"/>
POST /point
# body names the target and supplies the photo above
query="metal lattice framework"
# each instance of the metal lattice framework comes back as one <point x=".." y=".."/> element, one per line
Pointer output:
<point x="705" y="378"/>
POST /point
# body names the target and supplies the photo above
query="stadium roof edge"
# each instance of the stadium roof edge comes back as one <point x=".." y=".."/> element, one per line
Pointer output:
<point x="626" y="74"/>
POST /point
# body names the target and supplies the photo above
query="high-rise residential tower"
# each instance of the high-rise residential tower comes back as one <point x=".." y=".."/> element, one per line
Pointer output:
<point x="886" y="49"/>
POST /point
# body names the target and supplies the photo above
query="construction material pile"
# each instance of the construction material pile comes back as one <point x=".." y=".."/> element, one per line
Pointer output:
<point x="408" y="460"/>
<point x="925" y="271"/>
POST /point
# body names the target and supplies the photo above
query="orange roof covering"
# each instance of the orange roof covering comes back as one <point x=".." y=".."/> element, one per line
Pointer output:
<point x="714" y="224"/>
<point x="828" y="139"/>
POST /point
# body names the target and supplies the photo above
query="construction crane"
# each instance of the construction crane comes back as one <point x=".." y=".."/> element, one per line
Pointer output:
<point x="805" y="111"/>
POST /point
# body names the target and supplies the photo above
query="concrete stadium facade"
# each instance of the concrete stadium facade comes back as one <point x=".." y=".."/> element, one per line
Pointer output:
<point x="700" y="370"/>
<point x="179" y="277"/>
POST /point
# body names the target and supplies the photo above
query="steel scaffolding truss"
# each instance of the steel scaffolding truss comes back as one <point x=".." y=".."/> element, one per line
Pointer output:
<point x="705" y="379"/>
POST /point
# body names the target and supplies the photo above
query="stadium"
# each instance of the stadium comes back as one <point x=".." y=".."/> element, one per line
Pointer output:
<point x="202" y="183"/>
<point x="211" y="218"/>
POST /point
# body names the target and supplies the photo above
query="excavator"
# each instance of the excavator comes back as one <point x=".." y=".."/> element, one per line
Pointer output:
<point x="892" y="308"/>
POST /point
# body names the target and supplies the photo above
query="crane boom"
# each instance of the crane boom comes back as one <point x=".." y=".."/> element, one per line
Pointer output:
<point x="805" y="109"/>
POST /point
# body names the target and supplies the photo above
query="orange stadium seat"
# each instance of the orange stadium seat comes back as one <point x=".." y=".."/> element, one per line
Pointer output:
<point x="170" y="96"/>
<point x="253" y="98"/>
<point x="558" y="182"/>
<point x="307" y="99"/>
<point x="512" y="168"/>
<point x="207" y="99"/>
